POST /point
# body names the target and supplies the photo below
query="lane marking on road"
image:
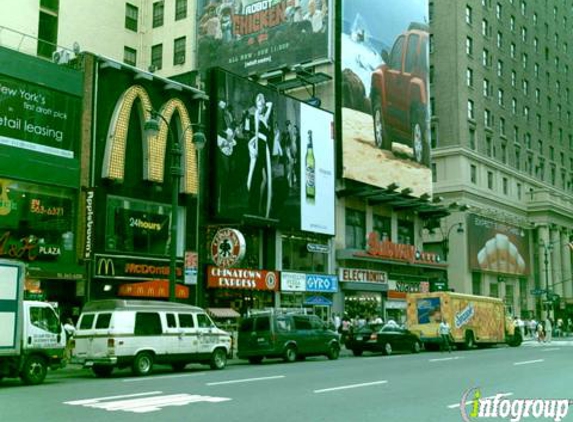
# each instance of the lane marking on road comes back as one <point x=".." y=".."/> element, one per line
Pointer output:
<point x="161" y="377"/>
<point x="550" y="350"/>
<point x="346" y="387"/>
<point x="97" y="399"/>
<point x="444" y="359"/>
<point x="455" y="406"/>
<point x="245" y="380"/>
<point x="527" y="362"/>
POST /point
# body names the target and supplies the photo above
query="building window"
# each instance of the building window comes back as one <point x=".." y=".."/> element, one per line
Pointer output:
<point x="523" y="34"/>
<point x="514" y="106"/>
<point x="434" y="173"/>
<point x="505" y="185"/>
<point x="517" y="159"/>
<point x="486" y="88"/>
<point x="471" y="112"/>
<point x="158" y="13"/>
<point x="296" y="256"/>
<point x="488" y="146"/>
<point x="180" y="9"/>
<point x="500" y="98"/>
<point x="498" y="11"/>
<point x="476" y="283"/>
<point x="504" y="153"/>
<point x="484" y="28"/>
<point x="130" y="56"/>
<point x="157" y="56"/>
<point x="47" y="35"/>
<point x="383" y="226"/>
<point x="500" y="68"/>
<point x="473" y="174"/>
<point x="485" y="57"/>
<point x="512" y="23"/>
<point x="470" y="77"/>
<point x="469" y="15"/>
<point x="519" y="193"/>
<point x="512" y="50"/>
<point x="487" y="120"/>
<point x="499" y="39"/>
<point x="355" y="229"/>
<point x="179" y="51"/>
<point x="472" y="135"/>
<point x="406" y="232"/>
<point x="131" y="17"/>
<point x="469" y="46"/>
<point x="513" y="78"/>
<point x="490" y="180"/>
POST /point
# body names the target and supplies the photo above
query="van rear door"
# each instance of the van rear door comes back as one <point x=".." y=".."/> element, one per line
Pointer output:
<point x="84" y="336"/>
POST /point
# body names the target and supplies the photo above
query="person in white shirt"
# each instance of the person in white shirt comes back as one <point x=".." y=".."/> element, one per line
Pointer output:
<point x="444" y="332"/>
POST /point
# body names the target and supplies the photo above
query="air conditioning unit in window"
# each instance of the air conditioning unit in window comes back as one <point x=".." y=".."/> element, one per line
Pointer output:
<point x="62" y="56"/>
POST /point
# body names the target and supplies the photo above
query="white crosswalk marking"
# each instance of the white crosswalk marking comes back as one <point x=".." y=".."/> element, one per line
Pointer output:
<point x="152" y="403"/>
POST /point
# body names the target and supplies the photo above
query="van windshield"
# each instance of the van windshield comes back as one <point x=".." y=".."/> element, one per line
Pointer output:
<point x="45" y="319"/>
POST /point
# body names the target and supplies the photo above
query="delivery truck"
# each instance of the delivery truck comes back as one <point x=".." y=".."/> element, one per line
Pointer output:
<point x="474" y="320"/>
<point x="32" y="338"/>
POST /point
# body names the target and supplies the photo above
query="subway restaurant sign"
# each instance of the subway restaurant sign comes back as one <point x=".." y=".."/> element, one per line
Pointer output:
<point x="38" y="119"/>
<point x="129" y="268"/>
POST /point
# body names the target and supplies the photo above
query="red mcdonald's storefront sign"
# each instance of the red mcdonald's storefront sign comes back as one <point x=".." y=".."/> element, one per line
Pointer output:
<point x="155" y="288"/>
<point x="239" y="278"/>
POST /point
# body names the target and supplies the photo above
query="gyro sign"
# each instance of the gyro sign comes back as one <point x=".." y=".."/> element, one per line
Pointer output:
<point x="228" y="247"/>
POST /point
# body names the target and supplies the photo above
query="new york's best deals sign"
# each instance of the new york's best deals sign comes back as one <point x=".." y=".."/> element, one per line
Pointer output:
<point x="497" y="247"/>
<point x="257" y="35"/>
<point x="37" y="118"/>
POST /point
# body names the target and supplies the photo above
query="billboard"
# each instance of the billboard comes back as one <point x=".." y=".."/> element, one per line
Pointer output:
<point x="384" y="93"/>
<point x="274" y="157"/>
<point x="497" y="247"/>
<point x="254" y="36"/>
<point x="39" y="119"/>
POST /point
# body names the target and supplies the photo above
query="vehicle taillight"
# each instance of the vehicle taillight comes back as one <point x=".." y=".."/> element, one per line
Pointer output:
<point x="373" y="336"/>
<point x="110" y="342"/>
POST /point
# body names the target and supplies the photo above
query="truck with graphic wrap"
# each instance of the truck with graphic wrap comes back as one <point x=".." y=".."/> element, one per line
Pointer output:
<point x="32" y="338"/>
<point x="474" y="320"/>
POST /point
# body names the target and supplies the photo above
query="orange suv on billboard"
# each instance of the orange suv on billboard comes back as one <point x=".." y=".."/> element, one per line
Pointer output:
<point x="399" y="94"/>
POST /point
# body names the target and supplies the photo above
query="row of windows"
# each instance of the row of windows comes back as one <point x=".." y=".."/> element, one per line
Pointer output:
<point x="132" y="14"/>
<point x="179" y="49"/>
<point x="355" y="234"/>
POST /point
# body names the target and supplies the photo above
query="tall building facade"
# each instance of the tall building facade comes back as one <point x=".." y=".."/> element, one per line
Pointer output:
<point x="503" y="145"/>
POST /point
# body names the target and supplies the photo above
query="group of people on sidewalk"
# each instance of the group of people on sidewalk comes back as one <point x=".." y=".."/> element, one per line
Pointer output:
<point x="544" y="331"/>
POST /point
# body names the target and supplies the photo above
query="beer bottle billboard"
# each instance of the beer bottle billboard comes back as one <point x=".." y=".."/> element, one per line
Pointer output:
<point x="310" y="170"/>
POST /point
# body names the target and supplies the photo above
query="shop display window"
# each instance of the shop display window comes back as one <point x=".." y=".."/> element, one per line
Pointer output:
<point x="297" y="257"/>
<point x="355" y="229"/>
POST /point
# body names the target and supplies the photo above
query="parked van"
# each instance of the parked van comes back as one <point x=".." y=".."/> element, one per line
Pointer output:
<point x="290" y="336"/>
<point x="138" y="333"/>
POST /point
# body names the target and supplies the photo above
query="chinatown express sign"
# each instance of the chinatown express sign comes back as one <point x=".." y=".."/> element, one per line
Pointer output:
<point x="243" y="279"/>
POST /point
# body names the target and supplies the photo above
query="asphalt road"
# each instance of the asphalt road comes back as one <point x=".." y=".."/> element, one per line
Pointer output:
<point x="424" y="387"/>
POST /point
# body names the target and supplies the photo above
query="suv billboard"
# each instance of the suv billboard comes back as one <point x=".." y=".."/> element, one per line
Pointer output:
<point x="384" y="98"/>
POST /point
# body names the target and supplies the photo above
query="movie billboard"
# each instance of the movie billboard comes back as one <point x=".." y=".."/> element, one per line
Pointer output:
<point x="274" y="157"/>
<point x="254" y="36"/>
<point x="384" y="93"/>
<point x="497" y="247"/>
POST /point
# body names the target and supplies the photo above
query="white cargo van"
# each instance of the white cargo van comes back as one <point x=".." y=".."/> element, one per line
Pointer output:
<point x="138" y="333"/>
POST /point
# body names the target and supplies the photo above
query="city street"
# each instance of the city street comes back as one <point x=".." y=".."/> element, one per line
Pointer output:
<point x="424" y="387"/>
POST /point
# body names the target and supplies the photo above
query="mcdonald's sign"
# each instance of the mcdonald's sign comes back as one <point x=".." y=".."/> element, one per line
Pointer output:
<point x="105" y="267"/>
<point x="129" y="268"/>
<point x="154" y="149"/>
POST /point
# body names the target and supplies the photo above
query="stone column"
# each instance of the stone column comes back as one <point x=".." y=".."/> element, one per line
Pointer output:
<point x="566" y="265"/>
<point x="556" y="276"/>
<point x="543" y="236"/>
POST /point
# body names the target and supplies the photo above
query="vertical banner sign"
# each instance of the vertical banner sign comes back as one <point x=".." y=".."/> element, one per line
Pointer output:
<point x="385" y="102"/>
<point x="191" y="264"/>
<point x="89" y="212"/>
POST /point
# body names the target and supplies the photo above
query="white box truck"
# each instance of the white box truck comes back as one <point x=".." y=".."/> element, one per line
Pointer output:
<point x="32" y="338"/>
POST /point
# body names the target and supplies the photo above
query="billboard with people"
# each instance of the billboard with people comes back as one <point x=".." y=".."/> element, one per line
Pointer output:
<point x="384" y="93"/>
<point x="274" y="157"/>
<point x="254" y="36"/>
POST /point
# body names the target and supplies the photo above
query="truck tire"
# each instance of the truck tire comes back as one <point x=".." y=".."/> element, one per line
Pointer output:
<point x="290" y="354"/>
<point x="387" y="349"/>
<point x="218" y="359"/>
<point x="102" y="371"/>
<point x="34" y="370"/>
<point x="333" y="351"/>
<point x="142" y="364"/>
<point x="381" y="138"/>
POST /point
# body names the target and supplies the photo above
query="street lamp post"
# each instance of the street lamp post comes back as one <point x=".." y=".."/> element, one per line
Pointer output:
<point x="446" y="238"/>
<point x="199" y="141"/>
<point x="546" y="249"/>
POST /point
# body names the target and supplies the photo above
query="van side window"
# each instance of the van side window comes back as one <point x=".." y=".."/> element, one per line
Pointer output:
<point x="87" y="321"/>
<point x="103" y="320"/>
<point x="284" y="324"/>
<point x="170" y="320"/>
<point x="186" y="321"/>
<point x="246" y="326"/>
<point x="302" y="323"/>
<point x="263" y="324"/>
<point x="203" y="321"/>
<point x="147" y="324"/>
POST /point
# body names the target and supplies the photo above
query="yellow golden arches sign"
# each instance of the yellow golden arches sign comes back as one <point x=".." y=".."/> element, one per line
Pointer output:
<point x="153" y="149"/>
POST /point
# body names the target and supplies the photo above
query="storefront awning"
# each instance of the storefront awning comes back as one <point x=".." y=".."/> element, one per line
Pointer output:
<point x="154" y="288"/>
<point x="223" y="313"/>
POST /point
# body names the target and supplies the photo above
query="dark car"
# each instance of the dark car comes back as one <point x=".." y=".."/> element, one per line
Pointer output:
<point x="399" y="94"/>
<point x="386" y="339"/>
<point x="290" y="337"/>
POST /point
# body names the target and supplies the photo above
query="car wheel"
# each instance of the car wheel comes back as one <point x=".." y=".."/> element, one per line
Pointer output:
<point x="333" y="352"/>
<point x="380" y="134"/>
<point x="387" y="349"/>
<point x="34" y="371"/>
<point x="357" y="352"/>
<point x="290" y="354"/>
<point x="218" y="359"/>
<point x="102" y="371"/>
<point x="255" y="360"/>
<point x="178" y="366"/>
<point x="416" y="347"/>
<point x="143" y="364"/>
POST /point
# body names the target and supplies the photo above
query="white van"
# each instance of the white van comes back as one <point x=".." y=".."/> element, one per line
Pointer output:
<point x="138" y="333"/>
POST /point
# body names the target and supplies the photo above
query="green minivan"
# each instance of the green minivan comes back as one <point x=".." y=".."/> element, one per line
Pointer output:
<point x="291" y="337"/>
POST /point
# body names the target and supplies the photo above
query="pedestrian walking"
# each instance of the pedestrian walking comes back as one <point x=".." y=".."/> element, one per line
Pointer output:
<point x="533" y="328"/>
<point x="548" y="330"/>
<point x="70" y="329"/>
<point x="540" y="332"/>
<point x="444" y="332"/>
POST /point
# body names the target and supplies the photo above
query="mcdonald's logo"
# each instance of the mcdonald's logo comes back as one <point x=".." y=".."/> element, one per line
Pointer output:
<point x="154" y="150"/>
<point x="106" y="267"/>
